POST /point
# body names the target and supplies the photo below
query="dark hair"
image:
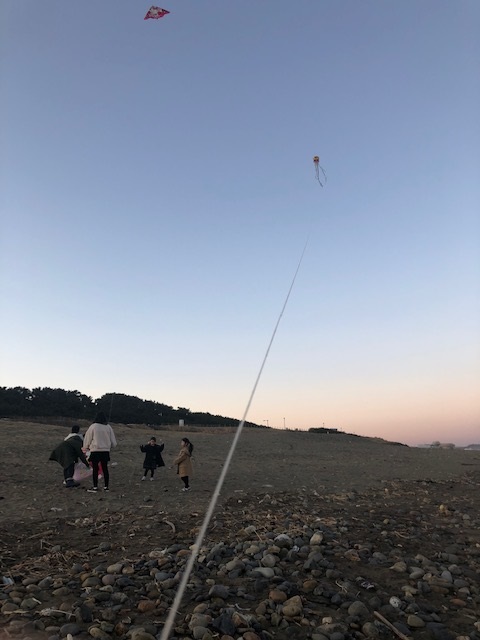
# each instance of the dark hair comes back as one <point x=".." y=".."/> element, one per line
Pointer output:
<point x="188" y="444"/>
<point x="100" y="418"/>
<point x="75" y="428"/>
<point x="153" y="438"/>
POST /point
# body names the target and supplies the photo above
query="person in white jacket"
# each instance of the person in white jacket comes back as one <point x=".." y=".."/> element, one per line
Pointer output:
<point x="99" y="439"/>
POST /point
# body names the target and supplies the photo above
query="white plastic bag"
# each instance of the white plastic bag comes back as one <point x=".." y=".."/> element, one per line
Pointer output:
<point x="81" y="472"/>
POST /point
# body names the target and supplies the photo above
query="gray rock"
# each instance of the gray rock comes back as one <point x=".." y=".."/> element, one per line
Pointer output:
<point x="415" y="622"/>
<point x="218" y="591"/>
<point x="161" y="576"/>
<point x="224" y="624"/>
<point x="357" y="608"/>
<point x="46" y="583"/>
<point x="317" y="538"/>
<point x="69" y="628"/>
<point x="98" y="633"/>
<point x="199" y="632"/>
<point x="29" y="604"/>
<point x="200" y="620"/>
<point x="268" y="560"/>
<point x="115" y="568"/>
<point x="84" y="613"/>
<point x="370" y="630"/>
<point x="92" y="581"/>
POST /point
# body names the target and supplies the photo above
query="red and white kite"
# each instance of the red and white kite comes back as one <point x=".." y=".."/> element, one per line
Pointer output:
<point x="155" y="13"/>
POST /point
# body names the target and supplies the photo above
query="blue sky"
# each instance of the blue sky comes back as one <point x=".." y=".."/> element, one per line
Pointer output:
<point x="157" y="189"/>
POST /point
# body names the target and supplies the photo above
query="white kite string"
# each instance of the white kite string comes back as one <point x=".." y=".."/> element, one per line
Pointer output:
<point x="216" y="493"/>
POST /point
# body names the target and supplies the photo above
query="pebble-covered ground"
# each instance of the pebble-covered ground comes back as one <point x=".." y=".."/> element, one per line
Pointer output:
<point x="384" y="557"/>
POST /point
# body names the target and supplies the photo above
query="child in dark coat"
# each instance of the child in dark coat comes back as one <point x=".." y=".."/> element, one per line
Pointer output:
<point x="67" y="454"/>
<point x="153" y="457"/>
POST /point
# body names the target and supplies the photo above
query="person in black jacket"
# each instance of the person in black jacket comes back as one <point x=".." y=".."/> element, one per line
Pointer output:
<point x="67" y="453"/>
<point x="153" y="457"/>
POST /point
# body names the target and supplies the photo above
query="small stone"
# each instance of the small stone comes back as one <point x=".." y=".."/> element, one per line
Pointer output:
<point x="277" y="596"/>
<point x="46" y="583"/>
<point x="415" y="622"/>
<point x="370" y="630"/>
<point x="69" y="629"/>
<point x="115" y="568"/>
<point x="309" y="585"/>
<point x="108" y="615"/>
<point x="120" y="629"/>
<point x="457" y="602"/>
<point x="284" y="541"/>
<point x="29" y="603"/>
<point x="161" y="576"/>
<point x="234" y="564"/>
<point x="201" y="608"/>
<point x="357" y="608"/>
<point x="92" y="581"/>
<point x="199" y="620"/>
<point x="97" y="633"/>
<point x="224" y="624"/>
<point x="146" y="605"/>
<point x="416" y="574"/>
<point x="268" y="560"/>
<point x="199" y="632"/>
<point x="395" y="602"/>
<point x="409" y="590"/>
<point x="252" y="550"/>
<point x="218" y="591"/>
<point x="316" y="539"/>
<point x="84" y="613"/>
<point x="292" y="607"/>
<point x="76" y="568"/>
<point x="118" y="597"/>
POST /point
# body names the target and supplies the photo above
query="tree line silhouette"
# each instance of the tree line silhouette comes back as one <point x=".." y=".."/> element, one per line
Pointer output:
<point x="44" y="402"/>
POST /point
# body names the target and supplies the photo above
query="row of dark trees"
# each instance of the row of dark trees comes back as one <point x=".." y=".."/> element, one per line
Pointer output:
<point x="44" y="402"/>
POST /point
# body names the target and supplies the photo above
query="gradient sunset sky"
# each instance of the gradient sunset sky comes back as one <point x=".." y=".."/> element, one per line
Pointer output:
<point x="157" y="190"/>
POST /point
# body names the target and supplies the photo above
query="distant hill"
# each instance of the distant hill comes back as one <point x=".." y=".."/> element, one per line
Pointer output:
<point x="338" y="432"/>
